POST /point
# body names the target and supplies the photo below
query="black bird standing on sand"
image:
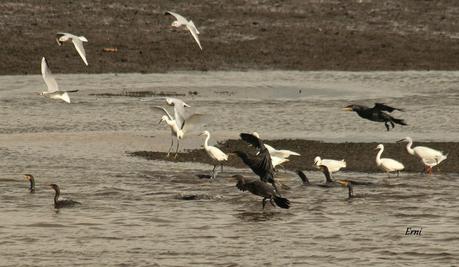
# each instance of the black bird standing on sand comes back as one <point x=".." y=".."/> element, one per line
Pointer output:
<point x="64" y="202"/>
<point x="261" y="164"/>
<point x="30" y="178"/>
<point x="377" y="114"/>
<point x="262" y="189"/>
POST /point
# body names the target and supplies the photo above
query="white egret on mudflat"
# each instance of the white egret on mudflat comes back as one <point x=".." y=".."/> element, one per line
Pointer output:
<point x="386" y="164"/>
<point x="217" y="156"/>
<point x="429" y="157"/>
<point x="331" y="164"/>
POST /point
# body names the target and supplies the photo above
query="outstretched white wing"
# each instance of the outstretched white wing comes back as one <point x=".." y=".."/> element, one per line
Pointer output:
<point x="79" y="47"/>
<point x="194" y="32"/>
<point x="164" y="111"/>
<point x="179" y="110"/>
<point x="48" y="76"/>
<point x="179" y="18"/>
<point x="192" y="122"/>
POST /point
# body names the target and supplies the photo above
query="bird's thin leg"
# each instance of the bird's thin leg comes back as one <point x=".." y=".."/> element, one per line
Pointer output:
<point x="275" y="188"/>
<point x="392" y="124"/>
<point x="388" y="174"/>
<point x="176" y="150"/>
<point x="398" y="173"/>
<point x="221" y="169"/>
<point x="271" y="201"/>
<point x="170" y="148"/>
<point x="387" y="125"/>
<point x="263" y="203"/>
<point x="213" y="172"/>
<point x="429" y="170"/>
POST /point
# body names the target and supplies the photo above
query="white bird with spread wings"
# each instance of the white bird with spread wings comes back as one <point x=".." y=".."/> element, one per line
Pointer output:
<point x="77" y="41"/>
<point x="53" y="91"/>
<point x="180" y="124"/>
<point x="181" y="21"/>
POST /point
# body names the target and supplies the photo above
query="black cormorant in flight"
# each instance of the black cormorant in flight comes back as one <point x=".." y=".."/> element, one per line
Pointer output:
<point x="377" y="113"/>
<point x="260" y="164"/>
<point x="64" y="202"/>
<point x="261" y="189"/>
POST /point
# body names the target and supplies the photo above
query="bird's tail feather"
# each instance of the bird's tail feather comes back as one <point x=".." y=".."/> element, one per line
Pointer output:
<point x="399" y="121"/>
<point x="282" y="202"/>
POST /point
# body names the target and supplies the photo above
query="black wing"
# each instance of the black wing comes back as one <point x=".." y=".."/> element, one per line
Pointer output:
<point x="260" y="165"/>
<point x="383" y="107"/>
<point x="253" y="140"/>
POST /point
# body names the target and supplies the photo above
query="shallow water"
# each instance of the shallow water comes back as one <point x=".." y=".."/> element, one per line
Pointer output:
<point x="131" y="213"/>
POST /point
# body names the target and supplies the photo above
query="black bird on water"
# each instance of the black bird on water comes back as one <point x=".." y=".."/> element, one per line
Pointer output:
<point x="377" y="113"/>
<point x="261" y="164"/>
<point x="349" y="185"/>
<point x="262" y="189"/>
<point x="64" y="202"/>
<point x="329" y="182"/>
<point x="30" y="178"/>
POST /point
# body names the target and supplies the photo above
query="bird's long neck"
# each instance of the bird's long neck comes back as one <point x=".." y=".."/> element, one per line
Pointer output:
<point x="56" y="196"/>
<point x="408" y="147"/>
<point x="351" y="190"/>
<point x="206" y="142"/>
<point x="32" y="185"/>
<point x="378" y="156"/>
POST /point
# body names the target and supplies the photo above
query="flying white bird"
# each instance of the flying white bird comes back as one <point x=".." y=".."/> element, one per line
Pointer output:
<point x="386" y="164"/>
<point x="277" y="153"/>
<point x="181" y="21"/>
<point x="277" y="161"/>
<point x="53" y="90"/>
<point x="77" y="41"/>
<point x="332" y="165"/>
<point x="429" y="157"/>
<point x="214" y="153"/>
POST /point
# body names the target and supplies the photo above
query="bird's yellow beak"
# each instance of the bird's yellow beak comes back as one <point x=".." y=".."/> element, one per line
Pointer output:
<point x="342" y="182"/>
<point x="346" y="109"/>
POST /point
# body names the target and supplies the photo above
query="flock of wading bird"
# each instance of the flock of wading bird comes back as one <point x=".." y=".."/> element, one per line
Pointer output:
<point x="262" y="163"/>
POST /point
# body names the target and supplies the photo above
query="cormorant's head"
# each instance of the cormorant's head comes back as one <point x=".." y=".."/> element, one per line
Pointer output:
<point x="28" y="177"/>
<point x="344" y="183"/>
<point x="352" y="108"/>
<point x="54" y="186"/>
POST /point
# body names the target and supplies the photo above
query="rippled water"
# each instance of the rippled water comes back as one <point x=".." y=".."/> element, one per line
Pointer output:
<point x="131" y="212"/>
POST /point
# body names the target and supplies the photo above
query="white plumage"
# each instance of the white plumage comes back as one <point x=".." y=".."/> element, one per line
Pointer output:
<point x="332" y="165"/>
<point x="77" y="41"/>
<point x="214" y="153"/>
<point x="53" y="91"/>
<point x="284" y="154"/>
<point x="386" y="164"/>
<point x="429" y="157"/>
<point x="182" y="21"/>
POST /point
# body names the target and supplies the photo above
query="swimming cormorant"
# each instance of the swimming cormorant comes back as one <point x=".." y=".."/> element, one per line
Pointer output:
<point x="349" y="185"/>
<point x="64" y="202"/>
<point x="262" y="189"/>
<point x="30" y="178"/>
<point x="377" y="113"/>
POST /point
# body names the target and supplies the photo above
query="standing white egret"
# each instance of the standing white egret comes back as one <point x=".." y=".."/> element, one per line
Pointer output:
<point x="179" y="110"/>
<point x="177" y="132"/>
<point x="214" y="153"/>
<point x="77" y="41"/>
<point x="181" y="21"/>
<point x="331" y="164"/>
<point x="53" y="90"/>
<point x="386" y="164"/>
<point x="277" y="153"/>
<point x="429" y="157"/>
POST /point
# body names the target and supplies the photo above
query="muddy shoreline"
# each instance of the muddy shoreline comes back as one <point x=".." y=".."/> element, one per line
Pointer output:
<point x="360" y="157"/>
<point x="135" y="36"/>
